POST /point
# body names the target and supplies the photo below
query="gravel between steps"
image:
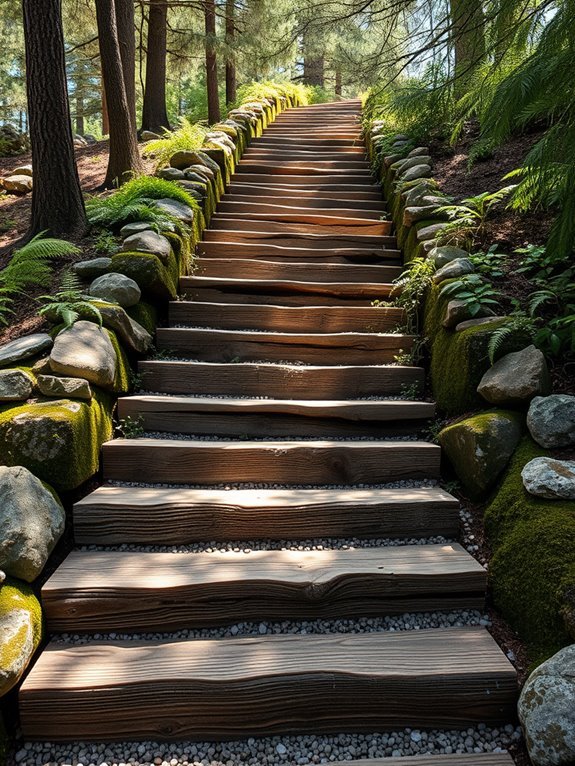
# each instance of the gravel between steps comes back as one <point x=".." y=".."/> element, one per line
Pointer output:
<point x="401" y="484"/>
<point x="273" y="751"/>
<point x="208" y="438"/>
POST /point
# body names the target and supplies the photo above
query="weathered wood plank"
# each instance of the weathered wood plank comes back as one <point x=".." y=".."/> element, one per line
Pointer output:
<point x="161" y="516"/>
<point x="305" y="168"/>
<point x="214" y="690"/>
<point x="93" y="591"/>
<point x="327" y="241"/>
<point x="283" y="462"/>
<point x="281" y="381"/>
<point x="239" y="209"/>
<point x="342" y="206"/>
<point x="366" y="182"/>
<point x="301" y="271"/>
<point x="347" y="193"/>
<point x="268" y="251"/>
<point x="311" y="223"/>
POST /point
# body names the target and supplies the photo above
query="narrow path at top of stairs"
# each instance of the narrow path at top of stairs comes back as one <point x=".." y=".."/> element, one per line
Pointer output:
<point x="282" y="477"/>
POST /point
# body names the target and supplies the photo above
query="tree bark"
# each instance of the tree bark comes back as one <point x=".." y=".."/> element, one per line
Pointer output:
<point x="154" y="114"/>
<point x="468" y="36"/>
<point x="126" y="24"/>
<point x="338" y="82"/>
<point x="57" y="202"/>
<point x="211" y="62"/>
<point x="105" y="118"/>
<point x="231" y="90"/>
<point x="124" y="161"/>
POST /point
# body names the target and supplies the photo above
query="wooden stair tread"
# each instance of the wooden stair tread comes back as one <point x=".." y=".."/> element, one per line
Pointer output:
<point x="328" y="240"/>
<point x="243" y="187"/>
<point x="309" y="462"/>
<point x="217" y="689"/>
<point x="361" y="289"/>
<point x="107" y="591"/>
<point x="156" y="515"/>
<point x="271" y="251"/>
<point x="246" y="268"/>
<point x="304" y="225"/>
<point x="237" y="208"/>
<point x="232" y="201"/>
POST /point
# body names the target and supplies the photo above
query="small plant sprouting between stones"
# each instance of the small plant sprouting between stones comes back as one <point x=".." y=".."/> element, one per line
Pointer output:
<point x="131" y="427"/>
<point x="411" y="288"/>
<point x="70" y="303"/>
<point x="474" y="291"/>
<point x="410" y="391"/>
<point x="106" y="242"/>
<point x="414" y="355"/>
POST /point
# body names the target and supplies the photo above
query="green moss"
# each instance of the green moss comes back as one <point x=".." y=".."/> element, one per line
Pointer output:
<point x="153" y="277"/>
<point x="57" y="440"/>
<point x="121" y="384"/>
<point x="533" y="565"/>
<point x="15" y="594"/>
<point x="145" y="314"/>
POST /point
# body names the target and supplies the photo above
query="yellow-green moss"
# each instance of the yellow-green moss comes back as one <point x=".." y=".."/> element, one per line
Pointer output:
<point x="15" y="594"/>
<point x="533" y="564"/>
<point x="121" y="384"/>
<point x="145" y="314"/>
<point x="57" y="440"/>
<point x="153" y="277"/>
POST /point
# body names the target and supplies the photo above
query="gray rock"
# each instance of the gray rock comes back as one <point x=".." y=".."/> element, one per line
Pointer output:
<point x="444" y="254"/>
<point x="24" y="348"/>
<point x="411" y="162"/>
<point x="480" y="447"/>
<point x="116" y="288"/>
<point x="455" y="312"/>
<point x="130" y="332"/>
<point x="85" y="351"/>
<point x="457" y="268"/>
<point x="148" y="242"/>
<point x="194" y="189"/>
<point x="549" y="478"/>
<point x="414" y="193"/>
<point x="551" y="420"/>
<point x="16" y="645"/>
<point x="479" y="321"/>
<point x="15" y="385"/>
<point x="183" y="159"/>
<point x="191" y="175"/>
<point x="430" y="232"/>
<point x="419" y="151"/>
<point x="516" y="378"/>
<point x="42" y="366"/>
<point x="72" y="388"/>
<point x="547" y="710"/>
<point x="170" y="174"/>
<point x="32" y="521"/>
<point x="94" y="268"/>
<point x="18" y="184"/>
<point x="418" y="213"/>
<point x="201" y="170"/>
<point x="176" y="209"/>
<point x="149" y="135"/>
<point x="135" y="228"/>
<point x="23" y="170"/>
<point x="419" y="171"/>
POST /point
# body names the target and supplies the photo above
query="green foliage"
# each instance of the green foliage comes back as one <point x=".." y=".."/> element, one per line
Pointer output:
<point x="467" y="218"/>
<point x="131" y="427"/>
<point x="134" y="201"/>
<point x="489" y="263"/>
<point x="29" y="266"/>
<point x="412" y="287"/>
<point x="70" y="303"/>
<point x="188" y="136"/>
<point x="477" y="293"/>
<point x="105" y="242"/>
<point x="517" y="324"/>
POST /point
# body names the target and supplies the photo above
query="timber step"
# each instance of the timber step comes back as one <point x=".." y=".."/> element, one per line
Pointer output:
<point x="314" y="319"/>
<point x="345" y="179"/>
<point x="306" y="223"/>
<point x="246" y="268"/>
<point x="160" y="516"/>
<point x="228" y="689"/>
<point x="301" y="238"/>
<point x="300" y="463"/>
<point x="287" y="212"/>
<point x="347" y="193"/>
<point x="305" y="167"/>
<point x="347" y="348"/>
<point x="259" y="202"/>
<point x="280" y="381"/>
<point x="270" y="251"/>
<point x="105" y="591"/>
<point x="255" y="418"/>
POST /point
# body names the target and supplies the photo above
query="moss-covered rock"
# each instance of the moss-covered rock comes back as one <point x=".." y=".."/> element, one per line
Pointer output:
<point x="145" y="314"/>
<point x="121" y="384"/>
<point x="480" y="447"/>
<point x="20" y="632"/>
<point x="532" y="571"/>
<point x="57" y="440"/>
<point x="154" y="279"/>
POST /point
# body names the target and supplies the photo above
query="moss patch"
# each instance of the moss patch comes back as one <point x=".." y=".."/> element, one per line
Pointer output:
<point x="57" y="440"/>
<point x="533" y="566"/>
<point x="145" y="314"/>
<point x="121" y="384"/>
<point x="16" y="595"/>
<point x="155" y="279"/>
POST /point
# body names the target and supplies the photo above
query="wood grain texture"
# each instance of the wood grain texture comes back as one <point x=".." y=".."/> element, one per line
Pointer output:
<point x="249" y="346"/>
<point x="283" y="462"/>
<point x="279" y="381"/>
<point x="229" y="689"/>
<point x="298" y="251"/>
<point x="315" y="319"/>
<point x="301" y="224"/>
<point x="364" y="181"/>
<point x="161" y="516"/>
<point x="238" y="209"/>
<point x="231" y="202"/>
<point x="304" y="167"/>
<point x="301" y="271"/>
<point x="240" y="188"/>
<point x="104" y="591"/>
<point x="314" y="239"/>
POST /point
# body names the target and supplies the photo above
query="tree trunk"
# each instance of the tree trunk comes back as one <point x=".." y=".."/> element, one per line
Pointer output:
<point x="211" y="62"/>
<point x="124" y="161"/>
<point x="126" y="24"/>
<point x="57" y="202"/>
<point x="80" y="128"/>
<point x="338" y="82"/>
<point x="468" y="36"/>
<point x="230" y="57"/>
<point x="105" y="118"/>
<point x="154" y="114"/>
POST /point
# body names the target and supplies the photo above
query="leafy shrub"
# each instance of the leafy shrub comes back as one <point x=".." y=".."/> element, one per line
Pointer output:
<point x="476" y="293"/>
<point x="70" y="303"/>
<point x="188" y="137"/>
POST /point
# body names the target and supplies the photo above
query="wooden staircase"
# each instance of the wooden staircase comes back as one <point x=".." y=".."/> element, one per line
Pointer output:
<point x="275" y="420"/>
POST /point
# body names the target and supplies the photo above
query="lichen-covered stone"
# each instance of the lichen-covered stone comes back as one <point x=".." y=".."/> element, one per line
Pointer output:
<point x="15" y="385"/>
<point x="453" y="270"/>
<point x="145" y="315"/>
<point x="32" y="521"/>
<point x="85" y="351"/>
<point x="551" y="420"/>
<point x="481" y="321"/>
<point x="547" y="710"/>
<point x="174" y="208"/>
<point x="73" y="388"/>
<point x="20" y="631"/>
<point x="21" y="184"/>
<point x="24" y="348"/>
<point x="148" y="241"/>
<point x="549" y="478"/>
<point x="117" y="288"/>
<point x="418" y="213"/>
<point x="516" y="378"/>
<point x="421" y="170"/>
<point x="155" y="279"/>
<point x="480" y="447"/>
<point x="93" y="268"/>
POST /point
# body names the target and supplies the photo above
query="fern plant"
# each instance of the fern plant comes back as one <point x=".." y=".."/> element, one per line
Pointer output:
<point x="70" y="303"/>
<point x="187" y="137"/>
<point x="518" y="324"/>
<point x="467" y="218"/>
<point x="411" y="287"/>
<point x="30" y="265"/>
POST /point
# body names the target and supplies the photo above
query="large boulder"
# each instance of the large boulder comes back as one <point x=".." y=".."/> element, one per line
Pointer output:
<point x="516" y="378"/>
<point x="551" y="420"/>
<point x="421" y="170"/>
<point x="32" y="521"/>
<point x="148" y="241"/>
<point x="85" y="351"/>
<point x="547" y="710"/>
<point x="117" y="288"/>
<point x="20" y="631"/>
<point x="480" y="447"/>
<point x="549" y="478"/>
<point x="130" y="332"/>
<point x="72" y="388"/>
<point x="24" y="348"/>
<point x="15" y="385"/>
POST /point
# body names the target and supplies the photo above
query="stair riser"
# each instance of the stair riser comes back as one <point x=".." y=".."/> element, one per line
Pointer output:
<point x="232" y="268"/>
<point x="348" y="194"/>
<point x="239" y="209"/>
